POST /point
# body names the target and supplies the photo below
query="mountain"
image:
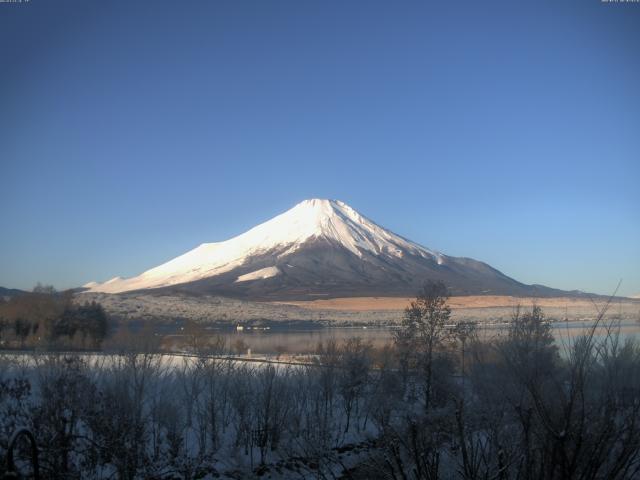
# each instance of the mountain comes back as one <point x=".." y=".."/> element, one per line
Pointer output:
<point x="318" y="249"/>
<point x="10" y="292"/>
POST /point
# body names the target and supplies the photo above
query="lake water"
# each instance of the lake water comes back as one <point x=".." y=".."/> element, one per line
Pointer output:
<point x="306" y="341"/>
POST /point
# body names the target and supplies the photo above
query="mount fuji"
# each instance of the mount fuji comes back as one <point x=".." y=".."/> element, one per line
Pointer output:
<point x="318" y="249"/>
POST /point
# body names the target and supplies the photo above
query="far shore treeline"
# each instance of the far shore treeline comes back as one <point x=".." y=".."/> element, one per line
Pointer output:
<point x="46" y="318"/>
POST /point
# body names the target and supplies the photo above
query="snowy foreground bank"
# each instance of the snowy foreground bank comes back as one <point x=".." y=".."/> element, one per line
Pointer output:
<point x="512" y="407"/>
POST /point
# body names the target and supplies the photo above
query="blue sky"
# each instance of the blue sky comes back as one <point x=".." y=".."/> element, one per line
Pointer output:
<point x="505" y="131"/>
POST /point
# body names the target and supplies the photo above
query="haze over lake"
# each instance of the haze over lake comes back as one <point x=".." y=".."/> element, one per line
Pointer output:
<point x="276" y="342"/>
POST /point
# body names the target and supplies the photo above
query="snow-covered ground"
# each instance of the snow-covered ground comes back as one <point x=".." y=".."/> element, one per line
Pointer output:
<point x="191" y="413"/>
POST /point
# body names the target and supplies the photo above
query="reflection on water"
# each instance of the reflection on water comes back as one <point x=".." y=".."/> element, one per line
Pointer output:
<point x="306" y="341"/>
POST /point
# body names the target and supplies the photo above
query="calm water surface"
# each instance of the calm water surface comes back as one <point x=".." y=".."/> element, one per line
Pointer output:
<point x="306" y="341"/>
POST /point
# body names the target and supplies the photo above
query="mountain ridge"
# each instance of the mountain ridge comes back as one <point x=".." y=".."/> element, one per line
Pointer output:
<point x="10" y="292"/>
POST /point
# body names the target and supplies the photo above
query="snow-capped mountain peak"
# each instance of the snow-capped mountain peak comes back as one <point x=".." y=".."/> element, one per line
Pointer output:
<point x="315" y="219"/>
<point x="335" y="221"/>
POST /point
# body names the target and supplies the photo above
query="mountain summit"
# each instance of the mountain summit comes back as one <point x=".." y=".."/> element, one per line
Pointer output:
<point x="319" y="248"/>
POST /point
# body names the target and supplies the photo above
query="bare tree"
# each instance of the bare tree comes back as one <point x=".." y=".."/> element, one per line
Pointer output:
<point x="464" y="332"/>
<point x="355" y="362"/>
<point x="422" y="332"/>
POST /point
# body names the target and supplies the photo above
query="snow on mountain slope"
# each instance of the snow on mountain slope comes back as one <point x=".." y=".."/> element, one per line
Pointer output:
<point x="330" y="220"/>
<point x="261" y="274"/>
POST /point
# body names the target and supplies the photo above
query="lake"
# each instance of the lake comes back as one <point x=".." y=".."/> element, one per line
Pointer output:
<point x="306" y="341"/>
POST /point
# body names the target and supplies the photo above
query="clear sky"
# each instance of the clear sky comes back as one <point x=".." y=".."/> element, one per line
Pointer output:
<point x="506" y="131"/>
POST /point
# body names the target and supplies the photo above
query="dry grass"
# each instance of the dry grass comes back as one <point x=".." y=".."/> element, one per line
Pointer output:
<point x="363" y="304"/>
